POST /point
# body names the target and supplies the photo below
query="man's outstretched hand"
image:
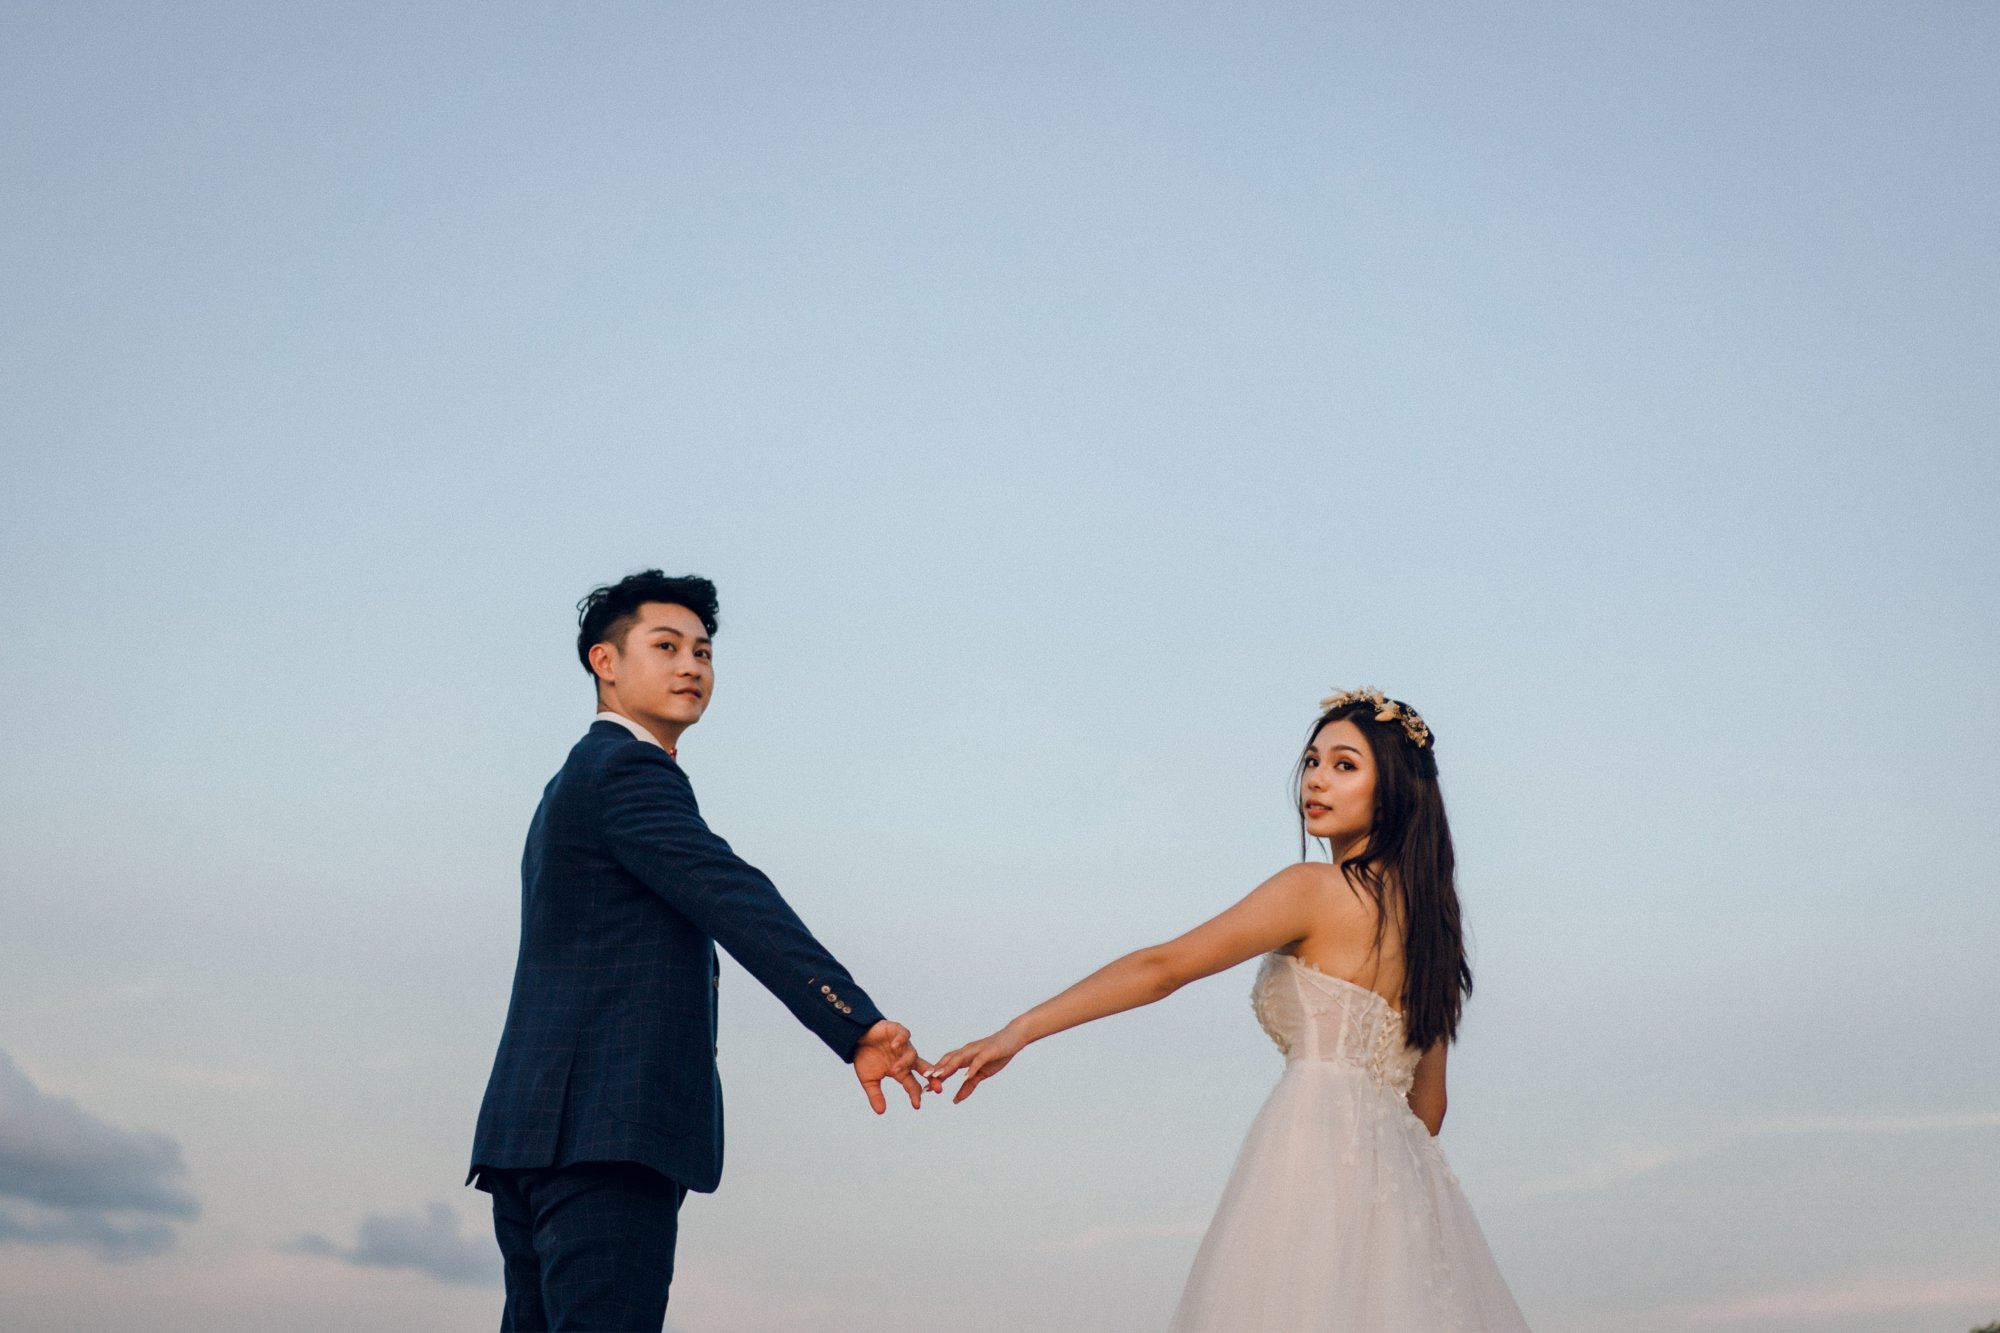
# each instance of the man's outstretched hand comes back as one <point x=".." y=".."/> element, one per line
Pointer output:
<point x="885" y="1052"/>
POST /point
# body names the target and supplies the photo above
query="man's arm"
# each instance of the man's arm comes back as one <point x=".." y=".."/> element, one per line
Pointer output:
<point x="654" y="829"/>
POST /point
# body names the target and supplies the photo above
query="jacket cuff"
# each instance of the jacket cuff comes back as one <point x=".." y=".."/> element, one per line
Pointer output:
<point x="841" y="1020"/>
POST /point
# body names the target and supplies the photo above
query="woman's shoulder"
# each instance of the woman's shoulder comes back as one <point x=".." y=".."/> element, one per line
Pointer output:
<point x="1316" y="875"/>
<point x="1311" y="874"/>
<point x="1336" y="895"/>
<point x="1314" y="879"/>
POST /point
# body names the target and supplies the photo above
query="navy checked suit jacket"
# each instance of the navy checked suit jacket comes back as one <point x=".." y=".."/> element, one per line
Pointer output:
<point x="609" y="1049"/>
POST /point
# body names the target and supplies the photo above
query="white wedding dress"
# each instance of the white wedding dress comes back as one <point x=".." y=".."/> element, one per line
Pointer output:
<point x="1341" y="1215"/>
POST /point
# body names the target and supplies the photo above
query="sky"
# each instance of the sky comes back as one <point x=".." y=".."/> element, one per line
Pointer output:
<point x="1064" y="398"/>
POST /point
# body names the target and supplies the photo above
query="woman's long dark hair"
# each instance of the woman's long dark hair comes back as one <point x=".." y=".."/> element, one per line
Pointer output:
<point x="1407" y="856"/>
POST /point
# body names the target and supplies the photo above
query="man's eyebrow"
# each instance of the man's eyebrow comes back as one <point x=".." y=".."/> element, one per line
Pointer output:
<point x="669" y="629"/>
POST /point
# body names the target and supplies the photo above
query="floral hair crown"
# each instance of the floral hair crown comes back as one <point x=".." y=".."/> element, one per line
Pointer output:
<point x="1386" y="710"/>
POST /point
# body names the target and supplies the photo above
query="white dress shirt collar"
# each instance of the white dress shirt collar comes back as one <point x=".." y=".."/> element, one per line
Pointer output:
<point x="631" y="726"/>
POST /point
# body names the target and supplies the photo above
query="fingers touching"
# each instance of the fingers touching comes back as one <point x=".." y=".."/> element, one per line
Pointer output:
<point x="977" y="1060"/>
<point x="887" y="1054"/>
<point x="945" y="1068"/>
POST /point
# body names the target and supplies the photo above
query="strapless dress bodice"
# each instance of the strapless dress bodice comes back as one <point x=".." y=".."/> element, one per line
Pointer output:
<point x="1314" y="1016"/>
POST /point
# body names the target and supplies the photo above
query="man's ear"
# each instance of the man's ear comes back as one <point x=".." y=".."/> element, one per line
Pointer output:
<point x="604" y="663"/>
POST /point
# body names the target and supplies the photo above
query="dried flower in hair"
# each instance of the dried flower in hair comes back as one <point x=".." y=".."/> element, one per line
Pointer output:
<point x="1385" y="710"/>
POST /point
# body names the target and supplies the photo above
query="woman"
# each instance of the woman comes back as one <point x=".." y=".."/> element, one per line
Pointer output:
<point x="1341" y="1212"/>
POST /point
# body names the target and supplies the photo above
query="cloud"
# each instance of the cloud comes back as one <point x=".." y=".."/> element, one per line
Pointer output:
<point x="111" y="1240"/>
<point x="1618" y="1163"/>
<point x="428" y="1242"/>
<point x="1920" y="1122"/>
<point x="1877" y="1294"/>
<point x="68" y="1178"/>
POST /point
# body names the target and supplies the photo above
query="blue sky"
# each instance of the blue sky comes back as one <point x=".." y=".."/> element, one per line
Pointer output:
<point x="1064" y="401"/>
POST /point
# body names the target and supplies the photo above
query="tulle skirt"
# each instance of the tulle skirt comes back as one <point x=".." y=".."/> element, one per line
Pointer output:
<point x="1341" y="1214"/>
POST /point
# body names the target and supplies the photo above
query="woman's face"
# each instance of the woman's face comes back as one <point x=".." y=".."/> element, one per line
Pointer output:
<point x="1337" y="787"/>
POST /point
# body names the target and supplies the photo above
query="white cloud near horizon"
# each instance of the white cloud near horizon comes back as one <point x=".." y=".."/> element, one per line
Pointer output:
<point x="1886" y="1293"/>
<point x="1622" y="1162"/>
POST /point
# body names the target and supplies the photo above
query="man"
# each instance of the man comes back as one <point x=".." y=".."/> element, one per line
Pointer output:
<point x="604" y="1108"/>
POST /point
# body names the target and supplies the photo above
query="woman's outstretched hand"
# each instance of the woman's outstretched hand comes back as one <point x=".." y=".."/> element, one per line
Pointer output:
<point x="980" y="1060"/>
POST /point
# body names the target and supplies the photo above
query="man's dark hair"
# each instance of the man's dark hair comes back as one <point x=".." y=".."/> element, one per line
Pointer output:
<point x="607" y="613"/>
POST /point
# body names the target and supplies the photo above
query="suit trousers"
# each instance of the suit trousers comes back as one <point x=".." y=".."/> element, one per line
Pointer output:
<point x="589" y="1248"/>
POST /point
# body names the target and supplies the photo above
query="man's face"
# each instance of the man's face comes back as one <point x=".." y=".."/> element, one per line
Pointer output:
<point x="664" y="670"/>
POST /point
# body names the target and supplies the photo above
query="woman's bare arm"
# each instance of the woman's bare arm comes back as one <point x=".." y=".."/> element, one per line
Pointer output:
<point x="1427" y="1090"/>
<point x="1274" y="914"/>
